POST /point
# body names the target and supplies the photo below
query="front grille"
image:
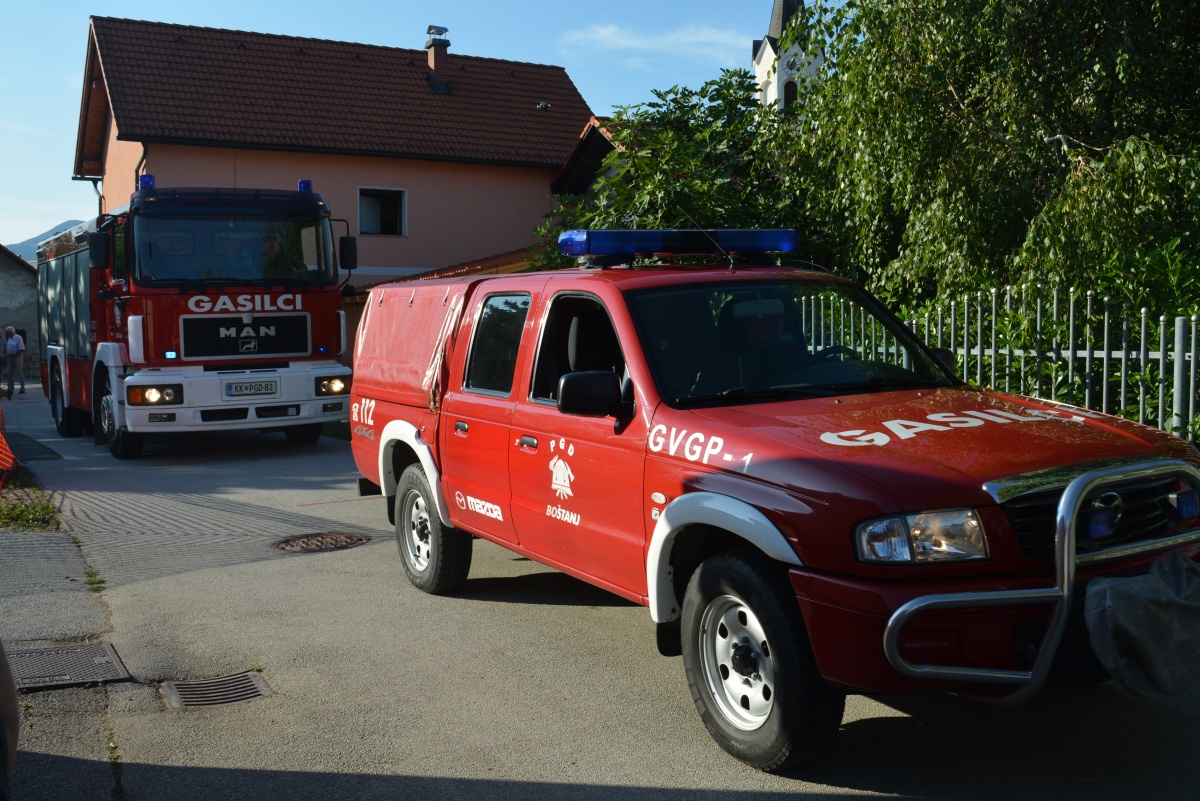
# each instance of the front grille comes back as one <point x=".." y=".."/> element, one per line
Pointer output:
<point x="267" y="412"/>
<point x="205" y="336"/>
<point x="1147" y="515"/>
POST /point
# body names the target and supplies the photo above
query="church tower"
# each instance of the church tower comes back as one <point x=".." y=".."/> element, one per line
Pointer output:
<point x="777" y="74"/>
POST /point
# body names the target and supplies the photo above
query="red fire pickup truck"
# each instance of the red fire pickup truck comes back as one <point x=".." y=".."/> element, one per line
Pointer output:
<point x="803" y="494"/>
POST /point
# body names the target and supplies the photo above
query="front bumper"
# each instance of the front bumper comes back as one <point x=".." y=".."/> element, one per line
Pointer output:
<point x="207" y="404"/>
<point x="881" y="639"/>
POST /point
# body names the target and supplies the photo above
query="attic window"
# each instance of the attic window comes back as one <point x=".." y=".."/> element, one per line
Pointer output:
<point x="438" y="87"/>
<point x="382" y="212"/>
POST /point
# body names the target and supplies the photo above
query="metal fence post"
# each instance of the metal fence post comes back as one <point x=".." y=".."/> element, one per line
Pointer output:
<point x="1179" y="393"/>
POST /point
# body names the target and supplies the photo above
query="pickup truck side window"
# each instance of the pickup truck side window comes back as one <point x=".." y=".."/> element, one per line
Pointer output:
<point x="493" y="358"/>
<point x="578" y="336"/>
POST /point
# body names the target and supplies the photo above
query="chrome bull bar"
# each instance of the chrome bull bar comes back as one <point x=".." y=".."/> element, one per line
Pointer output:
<point x="1029" y="682"/>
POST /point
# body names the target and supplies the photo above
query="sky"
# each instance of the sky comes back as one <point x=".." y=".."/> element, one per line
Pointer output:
<point x="616" y="52"/>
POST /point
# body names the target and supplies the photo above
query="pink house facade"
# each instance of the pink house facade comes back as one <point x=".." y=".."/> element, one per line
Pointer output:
<point x="433" y="159"/>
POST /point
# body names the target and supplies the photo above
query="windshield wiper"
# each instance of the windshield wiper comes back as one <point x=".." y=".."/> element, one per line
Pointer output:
<point x="880" y="382"/>
<point x="758" y="393"/>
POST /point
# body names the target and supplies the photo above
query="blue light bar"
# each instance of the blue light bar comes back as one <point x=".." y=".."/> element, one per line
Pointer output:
<point x="676" y="241"/>
<point x="146" y="181"/>
<point x="305" y="185"/>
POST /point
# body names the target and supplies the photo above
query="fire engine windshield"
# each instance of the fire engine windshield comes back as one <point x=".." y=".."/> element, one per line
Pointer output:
<point x="748" y="341"/>
<point x="173" y="249"/>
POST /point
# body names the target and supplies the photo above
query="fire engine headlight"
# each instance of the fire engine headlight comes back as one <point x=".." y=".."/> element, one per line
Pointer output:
<point x="165" y="395"/>
<point x="332" y="386"/>
<point x="927" y="537"/>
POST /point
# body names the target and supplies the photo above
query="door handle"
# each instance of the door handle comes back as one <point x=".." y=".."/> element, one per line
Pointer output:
<point x="528" y="441"/>
<point x="461" y="425"/>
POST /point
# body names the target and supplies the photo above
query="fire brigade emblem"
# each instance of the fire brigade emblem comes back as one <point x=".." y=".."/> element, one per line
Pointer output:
<point x="560" y="471"/>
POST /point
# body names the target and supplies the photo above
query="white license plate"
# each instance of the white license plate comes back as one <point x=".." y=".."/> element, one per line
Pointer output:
<point x="240" y="389"/>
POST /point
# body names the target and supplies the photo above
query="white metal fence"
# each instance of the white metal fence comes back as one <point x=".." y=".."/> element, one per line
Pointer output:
<point x="1074" y="347"/>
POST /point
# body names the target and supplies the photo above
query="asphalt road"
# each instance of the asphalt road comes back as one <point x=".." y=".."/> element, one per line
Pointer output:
<point x="527" y="684"/>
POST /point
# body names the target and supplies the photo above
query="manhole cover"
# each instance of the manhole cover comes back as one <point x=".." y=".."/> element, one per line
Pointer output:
<point x="215" y="692"/>
<point x="326" y="541"/>
<point x="66" y="665"/>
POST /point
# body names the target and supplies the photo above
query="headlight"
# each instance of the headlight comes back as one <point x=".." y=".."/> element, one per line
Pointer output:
<point x="927" y="537"/>
<point x="332" y="386"/>
<point x="165" y="395"/>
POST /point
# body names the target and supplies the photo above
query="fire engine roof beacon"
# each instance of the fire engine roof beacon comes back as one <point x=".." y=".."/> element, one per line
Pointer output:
<point x="805" y="496"/>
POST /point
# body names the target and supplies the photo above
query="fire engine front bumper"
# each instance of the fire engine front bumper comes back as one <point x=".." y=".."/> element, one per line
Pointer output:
<point x="884" y="638"/>
<point x="235" y="400"/>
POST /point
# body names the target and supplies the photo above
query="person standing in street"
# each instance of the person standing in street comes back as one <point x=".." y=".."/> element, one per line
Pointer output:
<point x="15" y="351"/>
<point x="10" y="722"/>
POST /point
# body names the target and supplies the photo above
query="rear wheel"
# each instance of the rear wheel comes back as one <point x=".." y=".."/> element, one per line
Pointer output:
<point x="749" y="664"/>
<point x="68" y="421"/>
<point x="436" y="557"/>
<point x="303" y="435"/>
<point x="121" y="444"/>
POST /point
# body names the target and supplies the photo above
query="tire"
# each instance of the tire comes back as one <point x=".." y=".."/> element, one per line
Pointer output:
<point x="121" y="444"/>
<point x="749" y="664"/>
<point x="303" y="435"/>
<point x="68" y="421"/>
<point x="436" y="557"/>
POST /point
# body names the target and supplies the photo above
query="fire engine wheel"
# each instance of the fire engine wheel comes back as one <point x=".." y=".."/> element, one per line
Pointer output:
<point x="121" y="444"/>
<point x="68" y="421"/>
<point x="436" y="557"/>
<point x="303" y="435"/>
<point x="749" y="664"/>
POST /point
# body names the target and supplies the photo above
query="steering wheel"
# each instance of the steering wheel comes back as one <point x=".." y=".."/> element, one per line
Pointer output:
<point x="835" y="350"/>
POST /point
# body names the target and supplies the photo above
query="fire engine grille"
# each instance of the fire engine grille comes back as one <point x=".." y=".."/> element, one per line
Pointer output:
<point x="205" y="336"/>
<point x="1147" y="514"/>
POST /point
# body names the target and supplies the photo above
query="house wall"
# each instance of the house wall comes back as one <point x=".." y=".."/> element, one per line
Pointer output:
<point x="18" y="308"/>
<point x="455" y="212"/>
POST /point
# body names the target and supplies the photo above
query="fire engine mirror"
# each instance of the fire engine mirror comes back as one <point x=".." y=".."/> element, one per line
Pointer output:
<point x="947" y="359"/>
<point x="348" y="252"/>
<point x="98" y="247"/>
<point x="591" y="393"/>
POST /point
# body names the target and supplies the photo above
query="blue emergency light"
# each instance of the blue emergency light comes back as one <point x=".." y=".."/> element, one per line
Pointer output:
<point x="146" y="182"/>
<point x="676" y="241"/>
<point x="305" y="185"/>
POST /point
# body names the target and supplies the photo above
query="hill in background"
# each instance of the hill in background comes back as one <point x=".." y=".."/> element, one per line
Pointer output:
<point x="28" y="249"/>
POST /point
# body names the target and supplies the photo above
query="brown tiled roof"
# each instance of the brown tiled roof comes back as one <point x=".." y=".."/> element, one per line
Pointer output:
<point x="205" y="86"/>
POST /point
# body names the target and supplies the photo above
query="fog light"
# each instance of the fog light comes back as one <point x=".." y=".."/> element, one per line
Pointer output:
<point x="1187" y="503"/>
<point x="332" y="407"/>
<point x="1101" y="524"/>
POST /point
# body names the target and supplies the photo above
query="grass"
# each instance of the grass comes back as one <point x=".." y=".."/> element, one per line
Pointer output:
<point x="23" y="504"/>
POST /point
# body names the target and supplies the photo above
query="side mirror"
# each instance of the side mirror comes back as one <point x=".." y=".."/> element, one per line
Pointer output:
<point x="947" y="359"/>
<point x="348" y="253"/>
<point x="99" y="245"/>
<point x="591" y="393"/>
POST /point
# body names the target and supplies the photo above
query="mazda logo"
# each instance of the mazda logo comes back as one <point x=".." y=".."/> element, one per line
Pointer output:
<point x="1110" y="502"/>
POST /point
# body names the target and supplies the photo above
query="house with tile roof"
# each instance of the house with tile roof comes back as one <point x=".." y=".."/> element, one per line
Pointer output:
<point x="18" y="304"/>
<point x="433" y="158"/>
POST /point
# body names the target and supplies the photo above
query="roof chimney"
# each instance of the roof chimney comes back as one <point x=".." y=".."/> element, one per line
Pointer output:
<point x="437" y="46"/>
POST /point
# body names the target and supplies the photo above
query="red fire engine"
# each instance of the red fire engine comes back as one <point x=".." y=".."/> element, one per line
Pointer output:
<point x="196" y="309"/>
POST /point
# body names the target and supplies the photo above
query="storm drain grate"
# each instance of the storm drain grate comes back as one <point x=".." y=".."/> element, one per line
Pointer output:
<point x="66" y="665"/>
<point x="215" y="692"/>
<point x="325" y="541"/>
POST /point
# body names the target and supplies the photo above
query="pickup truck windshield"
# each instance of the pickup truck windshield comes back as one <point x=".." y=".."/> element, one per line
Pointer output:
<point x="757" y="341"/>
<point x="173" y="249"/>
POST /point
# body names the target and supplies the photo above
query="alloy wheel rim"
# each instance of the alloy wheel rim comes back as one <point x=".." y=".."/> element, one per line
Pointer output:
<point x="737" y="662"/>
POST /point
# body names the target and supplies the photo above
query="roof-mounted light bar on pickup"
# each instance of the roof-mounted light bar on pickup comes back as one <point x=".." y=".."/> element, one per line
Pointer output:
<point x="676" y="241"/>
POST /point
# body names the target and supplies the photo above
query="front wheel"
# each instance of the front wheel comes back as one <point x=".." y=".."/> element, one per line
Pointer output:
<point x="749" y="664"/>
<point x="121" y="444"/>
<point x="68" y="421"/>
<point x="436" y="557"/>
<point x="303" y="435"/>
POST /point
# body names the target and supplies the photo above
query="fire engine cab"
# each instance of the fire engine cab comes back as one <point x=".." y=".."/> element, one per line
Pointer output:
<point x="196" y="309"/>
<point x="803" y="494"/>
